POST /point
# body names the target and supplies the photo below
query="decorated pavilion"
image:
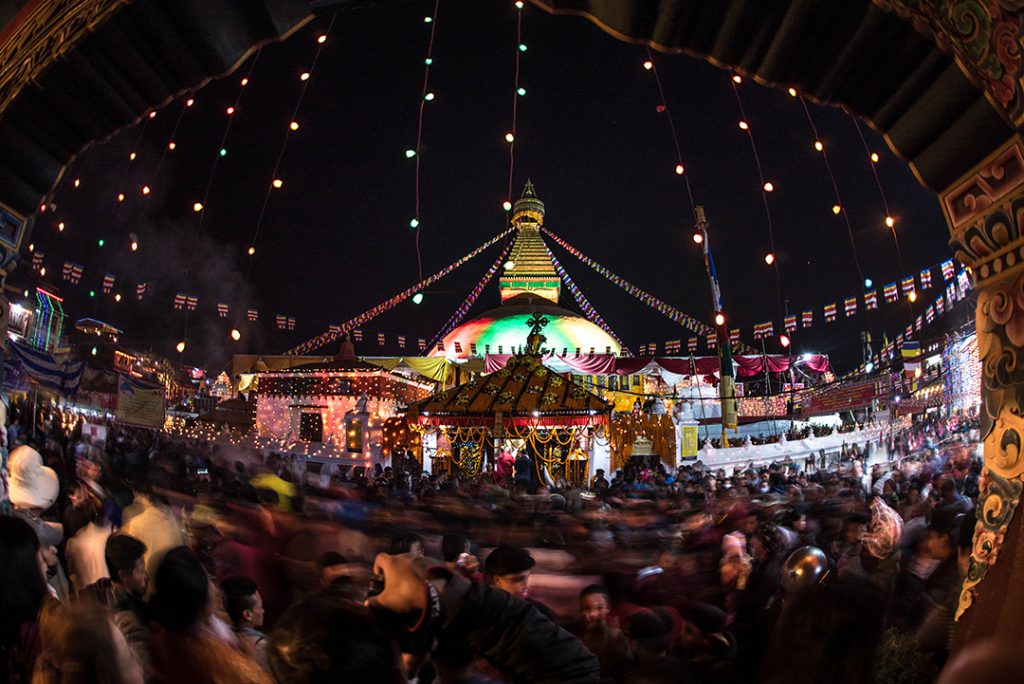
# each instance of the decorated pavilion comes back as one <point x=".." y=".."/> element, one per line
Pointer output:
<point x="523" y="406"/>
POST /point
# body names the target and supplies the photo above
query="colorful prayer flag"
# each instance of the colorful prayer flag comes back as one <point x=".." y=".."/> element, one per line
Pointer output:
<point x="108" y="283"/>
<point x="947" y="269"/>
<point x="380" y="341"/>
<point x="37" y="261"/>
<point x="140" y="290"/>
<point x="179" y="301"/>
<point x="254" y="315"/>
<point x="871" y="300"/>
<point x="850" y="305"/>
<point x="282" y="321"/>
<point x="890" y="293"/>
<point x="926" y="278"/>
<point x="907" y="285"/>
<point x="789" y="323"/>
<point x="763" y="330"/>
<point x="691" y="344"/>
<point x="192" y="302"/>
<point x="712" y="341"/>
<point x="222" y="309"/>
<point x="830" y="313"/>
<point x="808" y="318"/>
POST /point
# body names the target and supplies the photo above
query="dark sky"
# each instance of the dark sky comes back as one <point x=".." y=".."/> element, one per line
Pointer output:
<point x="335" y="239"/>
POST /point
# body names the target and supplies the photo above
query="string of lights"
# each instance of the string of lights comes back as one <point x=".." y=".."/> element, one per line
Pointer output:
<point x="663" y="108"/>
<point x="416" y="291"/>
<point x="837" y="208"/>
<point x="425" y="97"/>
<point x="767" y="187"/>
<point x="518" y="91"/>
<point x="463" y="309"/>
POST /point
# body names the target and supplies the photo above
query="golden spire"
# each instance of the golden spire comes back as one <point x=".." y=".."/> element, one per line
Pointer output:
<point x="532" y="271"/>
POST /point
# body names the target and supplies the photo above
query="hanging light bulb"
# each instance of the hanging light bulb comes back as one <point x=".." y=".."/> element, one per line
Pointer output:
<point x="132" y="156"/>
<point x="698" y="237"/>
<point x="245" y="81"/>
<point x="117" y="297"/>
<point x="521" y="92"/>
<point x="680" y="169"/>
<point x="509" y="265"/>
<point x="874" y="157"/>
<point x="417" y="298"/>
<point x="42" y="272"/>
<point x="235" y="335"/>
<point x="152" y="115"/>
<point x="769" y="258"/>
<point x="135" y="246"/>
<point x="784" y="340"/>
<point x="719" y="319"/>
<point x="818" y="145"/>
<point x="429" y="97"/>
<point x="744" y="126"/>
<point x="304" y="76"/>
<point x="836" y="209"/>
<point x="890" y="221"/>
<point x="230" y="111"/>
<point x="171" y="145"/>
<point x="409" y="154"/>
<point x="77" y="182"/>
<point x="322" y="39"/>
<point x="648" y="65"/>
<point x="869" y="367"/>
<point x="736" y="78"/>
<point x="60" y="227"/>
<point x="506" y="205"/>
<point x="414" y="222"/>
<point x="522" y="47"/>
<point x="197" y="207"/>
<point x="792" y="92"/>
<point x="768" y="187"/>
<point x="189" y="102"/>
<point x="145" y="189"/>
<point x="509" y="138"/>
<point x="294" y="125"/>
<point x="223" y="152"/>
<point x="120" y="197"/>
<point x="868" y="283"/>
<point x="278" y="183"/>
<point x="912" y="296"/>
<point x="252" y="250"/>
<point x="180" y="347"/>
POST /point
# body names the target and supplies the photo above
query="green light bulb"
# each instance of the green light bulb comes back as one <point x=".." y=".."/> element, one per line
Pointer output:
<point x="520" y="91"/>
<point x="223" y="151"/>
<point x="101" y="242"/>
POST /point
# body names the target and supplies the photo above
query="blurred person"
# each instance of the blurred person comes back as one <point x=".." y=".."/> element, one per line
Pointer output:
<point x="123" y="593"/>
<point x="409" y="543"/>
<point x="709" y="647"/>
<point x="80" y="645"/>
<point x="155" y="525"/>
<point x="23" y="590"/>
<point x="331" y="639"/>
<point x="244" y="605"/>
<point x="508" y="568"/>
<point x="606" y="642"/>
<point x="85" y="550"/>
<point x="33" y="489"/>
<point x="188" y="646"/>
<point x="938" y="601"/>
<point x="649" y="632"/>
<point x="455" y="551"/>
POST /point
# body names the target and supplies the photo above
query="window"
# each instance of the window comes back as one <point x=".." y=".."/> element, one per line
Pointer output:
<point x="354" y="435"/>
<point x="311" y="427"/>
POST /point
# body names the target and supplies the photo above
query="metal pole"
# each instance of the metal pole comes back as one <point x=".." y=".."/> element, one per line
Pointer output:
<point x="726" y="386"/>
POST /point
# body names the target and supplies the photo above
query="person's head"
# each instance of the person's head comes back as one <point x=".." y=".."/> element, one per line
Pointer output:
<point x="452" y="546"/>
<point x="943" y="534"/>
<point x="327" y="638"/>
<point x="80" y="644"/>
<point x="332" y="566"/>
<point x="410" y="543"/>
<point x="599" y="472"/>
<point x="183" y="591"/>
<point x="595" y="605"/>
<point x="242" y="601"/>
<point x="702" y="621"/>
<point x="947" y="490"/>
<point x="22" y="576"/>
<point x="508" y="568"/>
<point x="125" y="561"/>
<point x="854" y="526"/>
<point x="649" y="632"/>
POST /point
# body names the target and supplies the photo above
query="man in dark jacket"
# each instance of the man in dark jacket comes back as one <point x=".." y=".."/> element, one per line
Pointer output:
<point x="337" y="640"/>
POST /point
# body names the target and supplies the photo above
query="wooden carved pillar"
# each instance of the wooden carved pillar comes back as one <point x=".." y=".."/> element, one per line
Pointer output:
<point x="985" y="211"/>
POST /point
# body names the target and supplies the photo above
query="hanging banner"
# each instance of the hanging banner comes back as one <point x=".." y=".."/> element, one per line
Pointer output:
<point x="688" y="442"/>
<point x="139" y="404"/>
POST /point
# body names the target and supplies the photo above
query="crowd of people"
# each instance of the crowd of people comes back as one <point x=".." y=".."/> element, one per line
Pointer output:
<point x="146" y="559"/>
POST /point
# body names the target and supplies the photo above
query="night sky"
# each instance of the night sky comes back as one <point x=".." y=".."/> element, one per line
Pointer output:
<point x="335" y="240"/>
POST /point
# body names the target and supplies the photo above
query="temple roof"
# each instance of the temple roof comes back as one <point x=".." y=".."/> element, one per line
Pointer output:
<point x="524" y="392"/>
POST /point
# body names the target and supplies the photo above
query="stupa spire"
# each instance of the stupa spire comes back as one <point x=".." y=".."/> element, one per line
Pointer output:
<point x="531" y="269"/>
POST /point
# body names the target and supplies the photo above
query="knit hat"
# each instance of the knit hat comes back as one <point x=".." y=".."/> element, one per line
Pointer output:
<point x="32" y="485"/>
<point x="508" y="560"/>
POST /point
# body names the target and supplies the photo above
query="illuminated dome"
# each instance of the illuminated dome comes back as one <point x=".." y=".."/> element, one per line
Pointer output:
<point x="503" y="331"/>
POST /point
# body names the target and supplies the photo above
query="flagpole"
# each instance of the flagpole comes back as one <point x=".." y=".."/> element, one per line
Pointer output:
<point x="726" y="380"/>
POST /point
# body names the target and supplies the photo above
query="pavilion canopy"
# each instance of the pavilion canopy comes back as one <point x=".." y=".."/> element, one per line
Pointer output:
<point x="671" y="368"/>
<point x="523" y="392"/>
